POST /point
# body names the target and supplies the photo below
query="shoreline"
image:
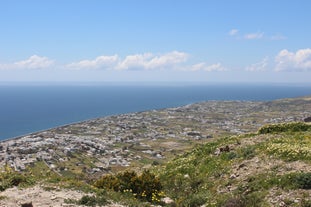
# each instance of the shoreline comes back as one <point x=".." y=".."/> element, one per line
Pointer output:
<point x="60" y="126"/>
<point x="87" y="120"/>
<point x="113" y="115"/>
<point x="120" y="140"/>
<point x="27" y="111"/>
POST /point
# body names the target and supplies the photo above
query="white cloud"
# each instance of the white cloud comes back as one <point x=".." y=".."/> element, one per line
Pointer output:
<point x="294" y="61"/>
<point x="145" y="61"/>
<point x="168" y="59"/>
<point x="209" y="68"/>
<point x="99" y="62"/>
<point x="138" y="61"/>
<point x="256" y="35"/>
<point x="278" y="37"/>
<point x="233" y="32"/>
<point x="33" y="62"/>
<point x="253" y="36"/>
<point x="149" y="61"/>
<point x="260" y="66"/>
<point x="174" y="60"/>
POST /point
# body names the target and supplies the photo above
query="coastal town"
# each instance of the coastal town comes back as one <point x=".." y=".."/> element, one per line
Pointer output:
<point x="103" y="145"/>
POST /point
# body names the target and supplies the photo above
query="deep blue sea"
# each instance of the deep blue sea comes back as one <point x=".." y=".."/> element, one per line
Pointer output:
<point x="28" y="108"/>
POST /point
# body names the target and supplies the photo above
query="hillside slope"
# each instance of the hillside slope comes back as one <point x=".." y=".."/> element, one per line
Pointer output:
<point x="207" y="153"/>
<point x="268" y="168"/>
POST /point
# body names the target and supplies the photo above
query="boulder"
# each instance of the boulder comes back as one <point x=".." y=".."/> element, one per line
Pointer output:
<point x="194" y="134"/>
<point x="27" y="204"/>
<point x="308" y="119"/>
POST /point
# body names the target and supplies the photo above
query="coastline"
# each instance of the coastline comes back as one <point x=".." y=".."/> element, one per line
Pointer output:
<point x="29" y="109"/>
<point x="308" y="97"/>
<point x="83" y="121"/>
<point x="123" y="140"/>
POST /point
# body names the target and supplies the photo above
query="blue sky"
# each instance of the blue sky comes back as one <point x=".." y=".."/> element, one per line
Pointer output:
<point x="155" y="40"/>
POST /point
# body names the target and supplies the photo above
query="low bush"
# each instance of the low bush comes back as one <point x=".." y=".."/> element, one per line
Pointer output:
<point x="303" y="180"/>
<point x="100" y="199"/>
<point x="290" y="147"/>
<point x="248" y="152"/>
<point x="305" y="203"/>
<point x="144" y="187"/>
<point x="10" y="178"/>
<point x="88" y="200"/>
<point x="234" y="202"/>
<point x="284" y="127"/>
<point x="195" y="200"/>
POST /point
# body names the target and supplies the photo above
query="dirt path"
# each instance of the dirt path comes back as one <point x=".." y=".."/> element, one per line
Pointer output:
<point x="14" y="197"/>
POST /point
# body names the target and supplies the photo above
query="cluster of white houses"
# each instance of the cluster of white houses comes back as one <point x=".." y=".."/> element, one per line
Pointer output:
<point x="110" y="141"/>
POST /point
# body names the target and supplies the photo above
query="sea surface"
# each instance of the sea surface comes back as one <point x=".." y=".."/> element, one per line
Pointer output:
<point x="29" y="108"/>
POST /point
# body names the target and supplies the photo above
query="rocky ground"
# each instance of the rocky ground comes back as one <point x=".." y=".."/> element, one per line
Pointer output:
<point x="262" y="164"/>
<point x="38" y="196"/>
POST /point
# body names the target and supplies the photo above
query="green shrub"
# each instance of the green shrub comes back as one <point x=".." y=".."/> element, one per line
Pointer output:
<point x="109" y="182"/>
<point x="195" y="200"/>
<point x="234" y="202"/>
<point x="89" y="200"/>
<point x="232" y="155"/>
<point x="305" y="203"/>
<point x="254" y="199"/>
<point x="284" y="127"/>
<point x="248" y="152"/>
<point x="126" y="181"/>
<point x="10" y="178"/>
<point x="145" y="186"/>
<point x="287" y="181"/>
<point x="303" y="180"/>
<point x="17" y="179"/>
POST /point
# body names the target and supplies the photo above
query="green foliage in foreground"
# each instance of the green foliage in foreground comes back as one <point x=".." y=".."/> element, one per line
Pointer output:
<point x="10" y="178"/>
<point x="284" y="127"/>
<point x="146" y="187"/>
<point x="261" y="182"/>
<point x="202" y="177"/>
<point x="290" y="147"/>
<point x="90" y="200"/>
<point x="302" y="180"/>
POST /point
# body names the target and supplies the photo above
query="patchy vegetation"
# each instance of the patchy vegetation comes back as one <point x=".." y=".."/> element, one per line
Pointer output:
<point x="146" y="187"/>
<point x="89" y="200"/>
<point x="10" y="178"/>
<point x="245" y="170"/>
<point x="284" y="127"/>
<point x="290" y="147"/>
<point x="269" y="168"/>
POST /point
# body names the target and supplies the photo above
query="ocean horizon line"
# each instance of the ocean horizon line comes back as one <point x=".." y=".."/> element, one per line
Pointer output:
<point x="29" y="109"/>
<point x="146" y="83"/>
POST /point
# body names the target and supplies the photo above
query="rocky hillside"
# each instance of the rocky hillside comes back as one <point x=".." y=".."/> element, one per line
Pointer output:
<point x="269" y="168"/>
<point x="205" y="154"/>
